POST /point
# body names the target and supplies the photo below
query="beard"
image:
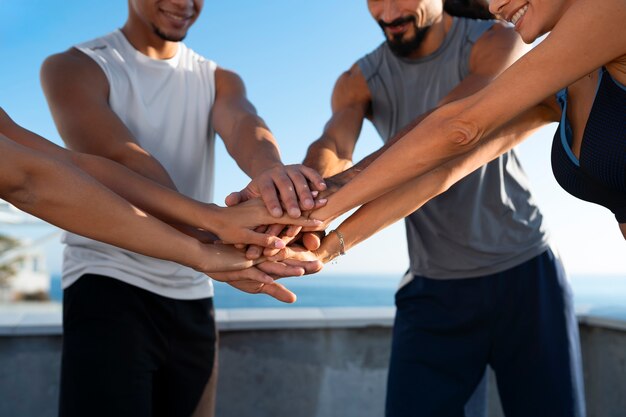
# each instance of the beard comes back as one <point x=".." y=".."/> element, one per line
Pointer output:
<point x="167" y="37"/>
<point x="404" y="47"/>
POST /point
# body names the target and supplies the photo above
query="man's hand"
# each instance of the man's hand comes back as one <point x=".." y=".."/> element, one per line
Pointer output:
<point x="288" y="184"/>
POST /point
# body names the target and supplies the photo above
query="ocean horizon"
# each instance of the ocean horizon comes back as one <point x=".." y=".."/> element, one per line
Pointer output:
<point x="602" y="295"/>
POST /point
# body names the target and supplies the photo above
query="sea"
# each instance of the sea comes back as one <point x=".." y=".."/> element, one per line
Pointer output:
<point x="597" y="295"/>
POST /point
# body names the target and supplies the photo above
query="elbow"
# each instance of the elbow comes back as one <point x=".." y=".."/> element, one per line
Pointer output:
<point x="17" y="189"/>
<point x="457" y="131"/>
<point x="462" y="133"/>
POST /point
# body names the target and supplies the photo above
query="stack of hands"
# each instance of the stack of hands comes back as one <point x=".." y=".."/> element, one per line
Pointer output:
<point x="270" y="231"/>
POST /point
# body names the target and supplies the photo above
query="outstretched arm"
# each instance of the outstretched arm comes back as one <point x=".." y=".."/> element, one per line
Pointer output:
<point x="402" y="201"/>
<point x="234" y="225"/>
<point x="66" y="197"/>
<point x="458" y="127"/>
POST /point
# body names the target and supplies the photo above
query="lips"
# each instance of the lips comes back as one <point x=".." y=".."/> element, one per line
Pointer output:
<point x="177" y="17"/>
<point x="395" y="29"/>
<point x="518" y="15"/>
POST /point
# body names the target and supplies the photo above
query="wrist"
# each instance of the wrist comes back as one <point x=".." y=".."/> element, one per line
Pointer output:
<point x="210" y="217"/>
<point x="333" y="246"/>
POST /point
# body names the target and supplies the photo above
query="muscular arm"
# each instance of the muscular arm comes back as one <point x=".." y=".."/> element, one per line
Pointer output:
<point x="252" y="145"/>
<point x="458" y="127"/>
<point x="77" y="92"/>
<point x="350" y="102"/>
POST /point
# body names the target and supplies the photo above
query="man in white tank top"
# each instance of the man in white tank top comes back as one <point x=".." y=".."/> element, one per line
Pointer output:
<point x="139" y="333"/>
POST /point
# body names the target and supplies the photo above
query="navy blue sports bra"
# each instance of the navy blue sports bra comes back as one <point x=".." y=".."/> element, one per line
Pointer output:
<point x="600" y="174"/>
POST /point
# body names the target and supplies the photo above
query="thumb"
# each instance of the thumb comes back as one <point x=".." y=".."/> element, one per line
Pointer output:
<point x="233" y="199"/>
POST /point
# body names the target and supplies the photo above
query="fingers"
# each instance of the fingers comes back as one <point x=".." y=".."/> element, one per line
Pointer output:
<point x="252" y="273"/>
<point x="312" y="240"/>
<point x="313" y="177"/>
<point x="309" y="267"/>
<point x="287" y="237"/>
<point x="302" y="188"/>
<point x="279" y="292"/>
<point x="273" y="289"/>
<point x="255" y="251"/>
<point x="286" y="189"/>
<point x="283" y="269"/>
<point x="233" y="199"/>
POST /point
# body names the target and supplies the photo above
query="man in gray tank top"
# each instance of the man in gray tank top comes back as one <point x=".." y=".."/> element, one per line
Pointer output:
<point x="484" y="287"/>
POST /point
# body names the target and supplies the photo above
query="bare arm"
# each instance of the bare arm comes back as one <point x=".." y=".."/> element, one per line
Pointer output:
<point x="350" y="102"/>
<point x="77" y="92"/>
<point x="230" y="224"/>
<point x="402" y="201"/>
<point x="66" y="197"/>
<point x="496" y="49"/>
<point x="250" y="142"/>
<point x="459" y="126"/>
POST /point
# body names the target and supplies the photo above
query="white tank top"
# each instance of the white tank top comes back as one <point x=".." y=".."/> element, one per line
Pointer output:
<point x="166" y="104"/>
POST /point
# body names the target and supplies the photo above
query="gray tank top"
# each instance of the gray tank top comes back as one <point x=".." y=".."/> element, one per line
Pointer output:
<point x="486" y="223"/>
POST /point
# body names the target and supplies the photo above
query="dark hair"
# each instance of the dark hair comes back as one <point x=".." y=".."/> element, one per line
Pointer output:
<point x="473" y="9"/>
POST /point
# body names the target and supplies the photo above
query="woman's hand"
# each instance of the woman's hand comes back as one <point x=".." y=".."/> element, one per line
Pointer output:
<point x="237" y="224"/>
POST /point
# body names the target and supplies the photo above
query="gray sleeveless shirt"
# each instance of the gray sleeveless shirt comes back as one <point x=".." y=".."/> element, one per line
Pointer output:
<point x="486" y="223"/>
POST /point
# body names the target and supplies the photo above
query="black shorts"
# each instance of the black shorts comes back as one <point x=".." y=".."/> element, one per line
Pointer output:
<point x="130" y="352"/>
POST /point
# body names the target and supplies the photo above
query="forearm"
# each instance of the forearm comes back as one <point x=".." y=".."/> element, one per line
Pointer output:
<point x="252" y="145"/>
<point x="66" y="197"/>
<point x="324" y="157"/>
<point x="158" y="200"/>
<point x="138" y="160"/>
<point x="344" y="177"/>
<point x="402" y="201"/>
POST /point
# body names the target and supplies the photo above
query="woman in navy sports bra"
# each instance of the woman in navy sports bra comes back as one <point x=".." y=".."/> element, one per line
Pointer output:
<point x="583" y="59"/>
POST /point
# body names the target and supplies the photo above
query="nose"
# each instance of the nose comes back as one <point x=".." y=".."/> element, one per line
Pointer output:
<point x="496" y="6"/>
<point x="391" y="11"/>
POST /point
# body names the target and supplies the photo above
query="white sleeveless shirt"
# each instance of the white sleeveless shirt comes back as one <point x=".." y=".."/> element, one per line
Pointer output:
<point x="166" y="104"/>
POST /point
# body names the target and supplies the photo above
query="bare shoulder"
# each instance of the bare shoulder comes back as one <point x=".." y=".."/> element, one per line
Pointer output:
<point x="228" y="82"/>
<point x="5" y="120"/>
<point x="72" y="68"/>
<point x="351" y="88"/>
<point x="496" y="49"/>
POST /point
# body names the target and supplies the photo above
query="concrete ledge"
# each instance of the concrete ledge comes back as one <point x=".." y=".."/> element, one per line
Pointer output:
<point x="48" y="321"/>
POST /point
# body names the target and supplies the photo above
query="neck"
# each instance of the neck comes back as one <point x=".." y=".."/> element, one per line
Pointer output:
<point x="149" y="43"/>
<point x="434" y="37"/>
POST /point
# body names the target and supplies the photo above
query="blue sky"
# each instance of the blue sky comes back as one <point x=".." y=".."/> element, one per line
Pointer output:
<point x="289" y="54"/>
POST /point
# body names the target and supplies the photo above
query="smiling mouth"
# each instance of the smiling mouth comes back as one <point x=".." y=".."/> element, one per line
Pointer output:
<point x="177" y="17"/>
<point x="518" y="15"/>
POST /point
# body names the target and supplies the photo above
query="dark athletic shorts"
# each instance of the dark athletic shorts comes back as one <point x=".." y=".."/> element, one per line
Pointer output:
<point x="128" y="352"/>
<point x="521" y="322"/>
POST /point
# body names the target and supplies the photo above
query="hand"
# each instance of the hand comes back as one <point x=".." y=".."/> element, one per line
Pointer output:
<point x="244" y="281"/>
<point x="285" y="233"/>
<point x="240" y="224"/>
<point x="292" y="184"/>
<point x="300" y="254"/>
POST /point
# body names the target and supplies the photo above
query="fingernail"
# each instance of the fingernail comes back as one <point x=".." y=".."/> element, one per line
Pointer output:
<point x="315" y="193"/>
<point x="322" y="200"/>
<point x="276" y="212"/>
<point x="308" y="202"/>
<point x="279" y="244"/>
<point x="268" y="279"/>
<point x="294" y="212"/>
<point x="317" y="222"/>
